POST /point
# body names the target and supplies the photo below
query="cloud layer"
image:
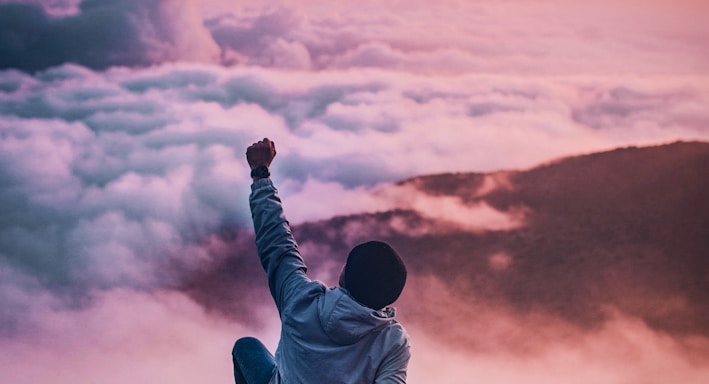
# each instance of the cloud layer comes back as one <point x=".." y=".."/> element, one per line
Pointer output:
<point x="129" y="179"/>
<point x="449" y="36"/>
<point x="104" y="34"/>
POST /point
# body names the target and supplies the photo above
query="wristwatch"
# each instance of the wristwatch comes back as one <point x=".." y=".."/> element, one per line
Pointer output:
<point x="261" y="172"/>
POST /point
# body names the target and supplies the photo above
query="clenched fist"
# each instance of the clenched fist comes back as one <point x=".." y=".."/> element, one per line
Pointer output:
<point x="261" y="153"/>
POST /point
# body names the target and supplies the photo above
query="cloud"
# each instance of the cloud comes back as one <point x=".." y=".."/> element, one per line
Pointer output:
<point x="52" y="7"/>
<point x="623" y="106"/>
<point x="302" y="207"/>
<point x="92" y="206"/>
<point x="134" y="337"/>
<point x="437" y="213"/>
<point x="127" y="336"/>
<point x="262" y="39"/>
<point x="453" y="211"/>
<point x="625" y="351"/>
<point x="104" y="34"/>
<point x="454" y="37"/>
<point x="471" y="339"/>
<point x="154" y="157"/>
<point x="447" y="37"/>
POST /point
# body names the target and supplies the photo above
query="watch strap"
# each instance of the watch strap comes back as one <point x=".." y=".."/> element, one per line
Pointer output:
<point x="261" y="172"/>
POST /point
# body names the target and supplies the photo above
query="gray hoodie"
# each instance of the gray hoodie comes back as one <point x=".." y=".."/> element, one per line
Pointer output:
<point x="326" y="336"/>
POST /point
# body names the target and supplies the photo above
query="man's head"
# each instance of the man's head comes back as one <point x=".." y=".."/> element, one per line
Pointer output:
<point x="374" y="274"/>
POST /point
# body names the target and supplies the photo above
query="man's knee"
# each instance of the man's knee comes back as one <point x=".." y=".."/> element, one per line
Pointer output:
<point x="244" y="343"/>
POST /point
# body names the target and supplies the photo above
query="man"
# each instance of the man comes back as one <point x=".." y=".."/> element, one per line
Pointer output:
<point x="341" y="335"/>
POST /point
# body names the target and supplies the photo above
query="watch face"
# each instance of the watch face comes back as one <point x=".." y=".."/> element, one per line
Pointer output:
<point x="261" y="171"/>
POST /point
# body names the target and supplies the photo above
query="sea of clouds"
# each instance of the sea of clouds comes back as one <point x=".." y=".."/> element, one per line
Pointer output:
<point x="123" y="127"/>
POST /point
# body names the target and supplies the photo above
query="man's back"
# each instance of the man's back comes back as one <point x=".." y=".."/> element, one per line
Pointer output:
<point x="326" y="336"/>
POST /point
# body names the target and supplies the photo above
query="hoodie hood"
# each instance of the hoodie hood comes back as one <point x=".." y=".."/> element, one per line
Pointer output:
<point x="346" y="321"/>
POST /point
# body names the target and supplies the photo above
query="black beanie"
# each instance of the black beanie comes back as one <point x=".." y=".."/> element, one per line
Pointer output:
<point x="375" y="274"/>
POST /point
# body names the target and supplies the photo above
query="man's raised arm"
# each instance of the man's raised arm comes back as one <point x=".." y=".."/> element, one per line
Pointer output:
<point x="275" y="244"/>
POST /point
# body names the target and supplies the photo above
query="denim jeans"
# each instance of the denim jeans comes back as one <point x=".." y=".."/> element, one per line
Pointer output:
<point x="253" y="363"/>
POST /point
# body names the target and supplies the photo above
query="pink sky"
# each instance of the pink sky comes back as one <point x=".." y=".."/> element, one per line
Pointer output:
<point x="117" y="153"/>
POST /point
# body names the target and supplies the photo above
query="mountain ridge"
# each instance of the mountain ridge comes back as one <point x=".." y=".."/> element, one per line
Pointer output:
<point x="622" y="231"/>
<point x="626" y="228"/>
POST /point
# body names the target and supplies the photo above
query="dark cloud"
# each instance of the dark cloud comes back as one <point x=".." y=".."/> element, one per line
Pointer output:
<point x="233" y="283"/>
<point x="98" y="38"/>
<point x="53" y="7"/>
<point x="100" y="35"/>
<point x="616" y="107"/>
<point x="179" y="79"/>
<point x="426" y="96"/>
<point x="354" y="124"/>
<point x="482" y="109"/>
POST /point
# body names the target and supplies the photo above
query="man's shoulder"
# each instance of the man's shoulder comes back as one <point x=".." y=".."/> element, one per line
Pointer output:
<point x="302" y="288"/>
<point x="397" y="329"/>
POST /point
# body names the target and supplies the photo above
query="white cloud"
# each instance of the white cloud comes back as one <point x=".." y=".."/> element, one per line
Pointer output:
<point x="314" y="200"/>
<point x="466" y="339"/>
<point x="624" y="351"/>
<point x="127" y="336"/>
<point x="452" y="210"/>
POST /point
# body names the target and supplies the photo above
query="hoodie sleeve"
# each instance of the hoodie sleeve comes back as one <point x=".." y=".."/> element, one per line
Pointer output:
<point x="275" y="244"/>
<point x="393" y="368"/>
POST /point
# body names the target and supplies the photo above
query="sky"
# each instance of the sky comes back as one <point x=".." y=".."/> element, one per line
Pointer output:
<point x="123" y="127"/>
